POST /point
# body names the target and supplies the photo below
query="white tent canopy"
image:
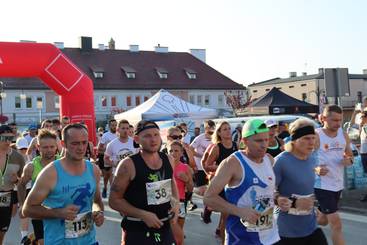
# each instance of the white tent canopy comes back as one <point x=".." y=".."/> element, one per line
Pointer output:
<point x="164" y="106"/>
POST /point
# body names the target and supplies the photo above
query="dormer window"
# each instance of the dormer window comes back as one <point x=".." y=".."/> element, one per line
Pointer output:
<point x="162" y="73"/>
<point x="130" y="73"/>
<point x="98" y="74"/>
<point x="98" y="71"/>
<point x="191" y="74"/>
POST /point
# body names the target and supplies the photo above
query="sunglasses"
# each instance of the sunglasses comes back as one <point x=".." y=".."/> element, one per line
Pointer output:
<point x="6" y="138"/>
<point x="176" y="137"/>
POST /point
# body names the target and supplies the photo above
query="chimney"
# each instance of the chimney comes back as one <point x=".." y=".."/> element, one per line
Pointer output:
<point x="111" y="44"/>
<point x="86" y="44"/>
<point x="199" y="54"/>
<point x="59" y="45"/>
<point x="321" y="70"/>
<point x="134" y="48"/>
<point x="304" y="73"/>
<point x="159" y="49"/>
<point x="101" y="47"/>
<point x="293" y="74"/>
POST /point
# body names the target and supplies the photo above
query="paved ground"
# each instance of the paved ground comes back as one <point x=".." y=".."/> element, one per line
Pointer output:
<point x="198" y="233"/>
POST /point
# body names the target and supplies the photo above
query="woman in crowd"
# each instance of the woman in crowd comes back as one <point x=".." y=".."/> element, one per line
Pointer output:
<point x="223" y="147"/>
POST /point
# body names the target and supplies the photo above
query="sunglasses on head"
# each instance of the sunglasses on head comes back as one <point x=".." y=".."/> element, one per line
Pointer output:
<point x="6" y="138"/>
<point x="176" y="137"/>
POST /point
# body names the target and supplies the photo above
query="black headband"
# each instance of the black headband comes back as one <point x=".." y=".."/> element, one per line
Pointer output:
<point x="149" y="126"/>
<point x="302" y="132"/>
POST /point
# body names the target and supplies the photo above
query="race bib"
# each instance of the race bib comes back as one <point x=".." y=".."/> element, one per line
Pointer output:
<point x="159" y="192"/>
<point x="5" y="199"/>
<point x="264" y="222"/>
<point x="296" y="211"/>
<point x="80" y="226"/>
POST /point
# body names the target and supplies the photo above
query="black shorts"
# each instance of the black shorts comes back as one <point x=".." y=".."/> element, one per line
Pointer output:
<point x="100" y="161"/>
<point x="159" y="237"/>
<point x="364" y="161"/>
<point x="316" y="238"/>
<point x="328" y="200"/>
<point x="14" y="197"/>
<point x="200" y="178"/>
<point x="5" y="214"/>
<point x="37" y="228"/>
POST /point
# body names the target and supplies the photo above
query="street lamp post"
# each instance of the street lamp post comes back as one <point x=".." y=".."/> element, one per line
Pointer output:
<point x="2" y="96"/>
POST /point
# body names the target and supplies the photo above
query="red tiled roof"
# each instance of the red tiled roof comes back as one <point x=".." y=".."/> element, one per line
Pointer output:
<point x="145" y="64"/>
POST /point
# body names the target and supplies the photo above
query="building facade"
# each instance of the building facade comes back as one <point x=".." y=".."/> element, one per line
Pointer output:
<point x="311" y="88"/>
<point x="122" y="80"/>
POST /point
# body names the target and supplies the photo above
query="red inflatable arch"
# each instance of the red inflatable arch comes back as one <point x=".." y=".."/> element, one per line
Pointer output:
<point x="48" y="63"/>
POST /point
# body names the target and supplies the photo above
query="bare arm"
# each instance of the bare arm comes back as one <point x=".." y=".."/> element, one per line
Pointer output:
<point x="227" y="172"/>
<point x="24" y="179"/>
<point x="33" y="204"/>
<point x="32" y="146"/>
<point x="190" y="155"/>
<point x="98" y="203"/>
<point x="209" y="162"/>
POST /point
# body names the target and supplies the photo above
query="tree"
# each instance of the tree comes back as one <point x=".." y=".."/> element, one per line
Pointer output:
<point x="237" y="100"/>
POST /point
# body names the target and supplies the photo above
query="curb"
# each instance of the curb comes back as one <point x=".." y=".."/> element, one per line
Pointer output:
<point x="354" y="210"/>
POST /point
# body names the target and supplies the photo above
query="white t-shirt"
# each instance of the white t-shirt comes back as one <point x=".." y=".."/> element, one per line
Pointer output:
<point x="107" y="137"/>
<point x="331" y="154"/>
<point x="118" y="150"/>
<point x="200" y="144"/>
<point x="187" y="138"/>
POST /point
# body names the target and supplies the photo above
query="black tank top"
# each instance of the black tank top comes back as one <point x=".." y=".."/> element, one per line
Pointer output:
<point x="276" y="151"/>
<point x="136" y="193"/>
<point x="225" y="152"/>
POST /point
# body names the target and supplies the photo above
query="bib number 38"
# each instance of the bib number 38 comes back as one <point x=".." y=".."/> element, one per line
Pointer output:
<point x="159" y="192"/>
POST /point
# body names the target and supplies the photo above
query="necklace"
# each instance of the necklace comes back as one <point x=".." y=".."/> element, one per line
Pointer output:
<point x="5" y="168"/>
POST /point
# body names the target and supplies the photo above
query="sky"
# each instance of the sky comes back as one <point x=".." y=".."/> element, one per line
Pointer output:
<point x="248" y="41"/>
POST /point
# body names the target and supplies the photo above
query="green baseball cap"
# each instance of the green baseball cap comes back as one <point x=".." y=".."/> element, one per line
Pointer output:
<point x="254" y="126"/>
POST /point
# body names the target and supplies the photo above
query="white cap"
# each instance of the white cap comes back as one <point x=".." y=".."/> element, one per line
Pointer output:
<point x="21" y="143"/>
<point x="270" y="123"/>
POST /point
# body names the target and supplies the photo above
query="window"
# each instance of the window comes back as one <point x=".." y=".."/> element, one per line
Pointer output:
<point x="104" y="101"/>
<point x="18" y="102"/>
<point x="28" y="102"/>
<point x="303" y="85"/>
<point x="130" y="75"/>
<point x="56" y="102"/>
<point x="113" y="101"/>
<point x="39" y="103"/>
<point x="304" y="96"/>
<point x="220" y="99"/>
<point x="199" y="100"/>
<point x="279" y="88"/>
<point x="146" y="98"/>
<point x="268" y="89"/>
<point x="128" y="101"/>
<point x="137" y="100"/>
<point x="191" y="74"/>
<point x="291" y="86"/>
<point x="255" y="91"/>
<point x="162" y="73"/>
<point x="207" y="100"/>
<point x="98" y="74"/>
<point x="192" y="99"/>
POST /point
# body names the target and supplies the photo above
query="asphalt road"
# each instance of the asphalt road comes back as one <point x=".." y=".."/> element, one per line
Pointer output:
<point x="198" y="233"/>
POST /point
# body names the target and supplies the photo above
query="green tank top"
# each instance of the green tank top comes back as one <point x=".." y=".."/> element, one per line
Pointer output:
<point x="37" y="167"/>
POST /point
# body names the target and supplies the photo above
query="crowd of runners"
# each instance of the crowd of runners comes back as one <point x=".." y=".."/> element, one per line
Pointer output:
<point x="272" y="183"/>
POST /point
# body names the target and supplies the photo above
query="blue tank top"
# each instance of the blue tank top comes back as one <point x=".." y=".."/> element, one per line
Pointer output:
<point x="256" y="190"/>
<point x="69" y="189"/>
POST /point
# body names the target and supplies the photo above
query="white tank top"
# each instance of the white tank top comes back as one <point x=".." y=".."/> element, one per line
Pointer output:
<point x="331" y="153"/>
<point x="363" y="137"/>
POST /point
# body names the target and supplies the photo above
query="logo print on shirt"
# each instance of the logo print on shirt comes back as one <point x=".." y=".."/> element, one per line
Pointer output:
<point x="153" y="177"/>
<point x="326" y="146"/>
<point x="255" y="180"/>
<point x="83" y="194"/>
